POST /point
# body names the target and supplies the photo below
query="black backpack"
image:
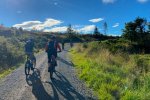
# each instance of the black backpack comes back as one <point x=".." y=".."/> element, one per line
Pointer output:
<point x="51" y="47"/>
<point x="29" y="46"/>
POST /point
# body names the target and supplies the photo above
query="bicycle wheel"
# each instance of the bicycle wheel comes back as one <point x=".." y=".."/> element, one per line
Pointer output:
<point x="27" y="68"/>
<point x="51" y="74"/>
<point x="52" y="69"/>
<point x="34" y="63"/>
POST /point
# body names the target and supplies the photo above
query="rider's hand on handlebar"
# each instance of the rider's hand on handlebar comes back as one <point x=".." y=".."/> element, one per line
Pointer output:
<point x="60" y="51"/>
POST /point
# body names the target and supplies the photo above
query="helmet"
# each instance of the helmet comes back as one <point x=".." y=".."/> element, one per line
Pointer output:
<point x="30" y="40"/>
<point x="53" y="37"/>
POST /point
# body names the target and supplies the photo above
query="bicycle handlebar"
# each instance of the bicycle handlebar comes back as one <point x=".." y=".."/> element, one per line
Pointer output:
<point x="59" y="51"/>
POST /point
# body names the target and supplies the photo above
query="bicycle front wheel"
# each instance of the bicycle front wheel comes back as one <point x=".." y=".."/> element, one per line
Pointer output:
<point x="27" y="69"/>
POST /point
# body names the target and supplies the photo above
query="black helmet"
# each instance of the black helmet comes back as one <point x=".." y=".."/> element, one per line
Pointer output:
<point x="53" y="37"/>
<point x="30" y="39"/>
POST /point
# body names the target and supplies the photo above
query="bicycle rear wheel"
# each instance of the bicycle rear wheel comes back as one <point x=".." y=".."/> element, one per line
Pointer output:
<point x="52" y="69"/>
<point x="27" y="68"/>
<point x="34" y="62"/>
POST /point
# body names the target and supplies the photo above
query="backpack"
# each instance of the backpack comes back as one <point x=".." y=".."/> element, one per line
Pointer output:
<point x="29" y="46"/>
<point x="51" y="47"/>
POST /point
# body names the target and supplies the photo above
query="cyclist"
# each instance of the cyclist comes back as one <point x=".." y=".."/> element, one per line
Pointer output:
<point x="71" y="43"/>
<point x="29" y="50"/>
<point x="51" y="49"/>
<point x="63" y="44"/>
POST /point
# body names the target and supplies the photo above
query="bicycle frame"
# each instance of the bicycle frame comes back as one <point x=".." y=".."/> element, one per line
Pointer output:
<point x="30" y="64"/>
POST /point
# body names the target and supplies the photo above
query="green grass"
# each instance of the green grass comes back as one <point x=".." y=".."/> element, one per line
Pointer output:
<point x="113" y="76"/>
<point x="6" y="72"/>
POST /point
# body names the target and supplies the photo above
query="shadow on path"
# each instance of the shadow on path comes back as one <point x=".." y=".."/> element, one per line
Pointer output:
<point x="63" y="86"/>
<point x="55" y="94"/>
<point x="37" y="87"/>
<point x="64" y="61"/>
<point x="66" y="50"/>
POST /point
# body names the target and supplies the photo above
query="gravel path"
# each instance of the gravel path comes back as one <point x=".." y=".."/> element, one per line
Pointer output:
<point x="38" y="86"/>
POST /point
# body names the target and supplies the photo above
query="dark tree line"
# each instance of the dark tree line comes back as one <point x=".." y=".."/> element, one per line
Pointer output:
<point x="96" y="35"/>
<point x="138" y="31"/>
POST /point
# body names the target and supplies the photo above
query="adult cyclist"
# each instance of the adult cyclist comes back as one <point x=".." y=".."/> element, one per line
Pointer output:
<point x="51" y="48"/>
<point x="29" y="46"/>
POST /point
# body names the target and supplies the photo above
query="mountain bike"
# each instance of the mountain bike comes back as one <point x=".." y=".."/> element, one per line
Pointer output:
<point x="71" y="44"/>
<point x="51" y="67"/>
<point x="53" y="64"/>
<point x="30" y="64"/>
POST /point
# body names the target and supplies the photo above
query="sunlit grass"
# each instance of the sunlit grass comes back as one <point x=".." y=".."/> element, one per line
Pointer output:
<point x="6" y="72"/>
<point x="113" y="76"/>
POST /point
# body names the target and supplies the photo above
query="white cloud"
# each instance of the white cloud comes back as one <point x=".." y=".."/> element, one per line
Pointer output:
<point x="142" y="1"/>
<point x="87" y="29"/>
<point x="57" y="29"/>
<point x="79" y="28"/>
<point x="38" y="25"/>
<point x="115" y="25"/>
<point x="108" y="1"/>
<point x="48" y="23"/>
<point x="96" y="20"/>
<point x="28" y="24"/>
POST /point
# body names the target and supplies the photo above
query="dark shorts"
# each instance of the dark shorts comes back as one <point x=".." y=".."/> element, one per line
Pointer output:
<point x="50" y="56"/>
<point x="31" y="55"/>
<point x="51" y="68"/>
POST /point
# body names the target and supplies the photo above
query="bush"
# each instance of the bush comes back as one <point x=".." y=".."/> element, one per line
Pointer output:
<point x="9" y="56"/>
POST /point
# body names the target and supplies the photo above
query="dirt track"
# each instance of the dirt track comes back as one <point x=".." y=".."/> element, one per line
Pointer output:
<point x="38" y="86"/>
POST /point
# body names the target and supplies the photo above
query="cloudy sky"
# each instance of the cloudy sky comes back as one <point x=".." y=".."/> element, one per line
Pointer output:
<point x="56" y="15"/>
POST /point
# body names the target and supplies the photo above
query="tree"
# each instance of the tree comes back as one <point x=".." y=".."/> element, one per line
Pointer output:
<point x="96" y="32"/>
<point x="105" y="28"/>
<point x="148" y="27"/>
<point x="140" y="24"/>
<point x="70" y="32"/>
<point x="135" y="31"/>
<point x="69" y="29"/>
<point x="129" y="31"/>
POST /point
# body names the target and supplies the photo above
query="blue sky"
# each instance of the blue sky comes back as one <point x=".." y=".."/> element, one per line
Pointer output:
<point x="55" y="15"/>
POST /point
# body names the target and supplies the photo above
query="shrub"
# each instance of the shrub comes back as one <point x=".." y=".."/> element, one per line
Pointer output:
<point x="9" y="56"/>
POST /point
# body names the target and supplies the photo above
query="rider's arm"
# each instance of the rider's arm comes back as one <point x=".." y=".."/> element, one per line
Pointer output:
<point x="46" y="47"/>
<point x="58" y="47"/>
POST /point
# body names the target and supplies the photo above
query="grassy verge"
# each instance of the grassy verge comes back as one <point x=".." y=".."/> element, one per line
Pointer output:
<point x="6" y="72"/>
<point x="118" y="76"/>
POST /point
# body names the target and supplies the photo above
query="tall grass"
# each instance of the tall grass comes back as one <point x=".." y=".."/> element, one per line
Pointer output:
<point x="113" y="76"/>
